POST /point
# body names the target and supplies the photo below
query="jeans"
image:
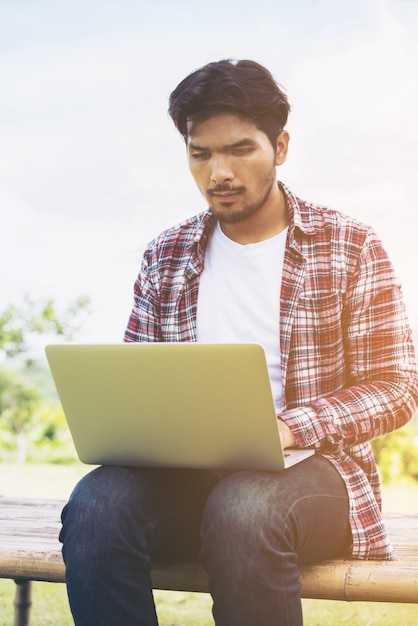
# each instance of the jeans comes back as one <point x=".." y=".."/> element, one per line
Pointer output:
<point x="250" y="529"/>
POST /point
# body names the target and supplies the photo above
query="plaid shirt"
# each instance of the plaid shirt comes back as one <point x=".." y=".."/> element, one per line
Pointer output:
<point x="349" y="369"/>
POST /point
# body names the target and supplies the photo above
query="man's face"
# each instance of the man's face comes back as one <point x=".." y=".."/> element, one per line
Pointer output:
<point x="234" y="165"/>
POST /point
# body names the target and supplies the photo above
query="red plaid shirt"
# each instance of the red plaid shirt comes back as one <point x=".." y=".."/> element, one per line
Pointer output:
<point x="349" y="369"/>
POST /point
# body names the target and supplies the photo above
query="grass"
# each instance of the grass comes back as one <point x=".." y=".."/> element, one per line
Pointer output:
<point x="50" y="606"/>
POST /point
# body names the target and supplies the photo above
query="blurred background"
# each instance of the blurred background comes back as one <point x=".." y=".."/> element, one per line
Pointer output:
<point x="91" y="167"/>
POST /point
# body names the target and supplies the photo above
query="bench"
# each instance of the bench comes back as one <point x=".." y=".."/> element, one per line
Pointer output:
<point x="29" y="551"/>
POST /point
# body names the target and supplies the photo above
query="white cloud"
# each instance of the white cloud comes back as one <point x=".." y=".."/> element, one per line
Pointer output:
<point x="87" y="147"/>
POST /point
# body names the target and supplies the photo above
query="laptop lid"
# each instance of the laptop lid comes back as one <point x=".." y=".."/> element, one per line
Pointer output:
<point x="170" y="405"/>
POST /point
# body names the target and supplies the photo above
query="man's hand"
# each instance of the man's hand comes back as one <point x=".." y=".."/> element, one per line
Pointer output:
<point x="286" y="436"/>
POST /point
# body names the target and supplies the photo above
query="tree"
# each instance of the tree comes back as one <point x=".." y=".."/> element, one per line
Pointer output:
<point x="397" y="453"/>
<point x="19" y="403"/>
<point x="19" y="399"/>
<point x="19" y="323"/>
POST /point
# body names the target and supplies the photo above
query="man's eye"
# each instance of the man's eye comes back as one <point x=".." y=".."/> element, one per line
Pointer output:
<point x="200" y="156"/>
<point x="242" y="151"/>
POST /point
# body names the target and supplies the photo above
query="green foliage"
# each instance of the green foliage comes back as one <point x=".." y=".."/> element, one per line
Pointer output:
<point x="23" y="426"/>
<point x="30" y="430"/>
<point x="397" y="453"/>
<point x="50" y="438"/>
<point x="19" y="323"/>
<point x="18" y="401"/>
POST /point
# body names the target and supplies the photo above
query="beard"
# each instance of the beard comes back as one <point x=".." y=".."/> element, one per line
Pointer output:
<point x="225" y="211"/>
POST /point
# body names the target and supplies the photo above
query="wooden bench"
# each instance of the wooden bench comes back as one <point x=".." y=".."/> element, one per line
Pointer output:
<point x="29" y="551"/>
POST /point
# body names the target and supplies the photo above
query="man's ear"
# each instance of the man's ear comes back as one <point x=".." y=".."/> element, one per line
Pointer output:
<point x="282" y="147"/>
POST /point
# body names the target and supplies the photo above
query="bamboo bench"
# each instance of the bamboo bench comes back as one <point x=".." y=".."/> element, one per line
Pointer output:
<point x="30" y="551"/>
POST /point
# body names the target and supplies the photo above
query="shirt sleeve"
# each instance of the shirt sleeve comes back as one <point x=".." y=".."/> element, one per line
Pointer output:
<point x="382" y="387"/>
<point x="144" y="321"/>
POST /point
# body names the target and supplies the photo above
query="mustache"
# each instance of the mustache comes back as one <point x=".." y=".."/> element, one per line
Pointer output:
<point x="225" y="188"/>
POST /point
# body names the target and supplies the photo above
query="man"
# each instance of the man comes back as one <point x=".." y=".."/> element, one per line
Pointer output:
<point x="318" y="291"/>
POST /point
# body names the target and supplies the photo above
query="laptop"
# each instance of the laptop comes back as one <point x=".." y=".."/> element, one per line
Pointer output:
<point x="189" y="405"/>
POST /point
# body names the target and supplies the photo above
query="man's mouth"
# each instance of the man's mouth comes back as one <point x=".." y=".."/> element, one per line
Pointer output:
<point x="226" y="194"/>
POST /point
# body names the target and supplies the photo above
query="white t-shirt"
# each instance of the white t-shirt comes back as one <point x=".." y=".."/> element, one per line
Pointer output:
<point x="239" y="297"/>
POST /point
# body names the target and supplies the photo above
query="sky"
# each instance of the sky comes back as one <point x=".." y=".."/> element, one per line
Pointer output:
<point x="91" y="167"/>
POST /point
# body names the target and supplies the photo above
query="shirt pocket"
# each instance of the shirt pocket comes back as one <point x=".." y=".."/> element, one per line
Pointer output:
<point x="317" y="336"/>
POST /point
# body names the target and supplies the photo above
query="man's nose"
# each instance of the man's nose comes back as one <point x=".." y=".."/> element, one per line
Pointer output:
<point x="221" y="170"/>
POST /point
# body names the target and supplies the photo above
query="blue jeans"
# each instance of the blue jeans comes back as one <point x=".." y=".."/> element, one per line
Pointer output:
<point x="251" y="530"/>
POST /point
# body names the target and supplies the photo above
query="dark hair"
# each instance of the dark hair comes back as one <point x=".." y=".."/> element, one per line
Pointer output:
<point x="240" y="87"/>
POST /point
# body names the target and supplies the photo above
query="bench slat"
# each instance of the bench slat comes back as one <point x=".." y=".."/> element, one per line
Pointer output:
<point x="29" y="549"/>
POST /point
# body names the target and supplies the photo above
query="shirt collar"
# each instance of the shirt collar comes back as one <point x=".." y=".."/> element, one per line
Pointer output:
<point x="298" y="212"/>
<point x="300" y="219"/>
